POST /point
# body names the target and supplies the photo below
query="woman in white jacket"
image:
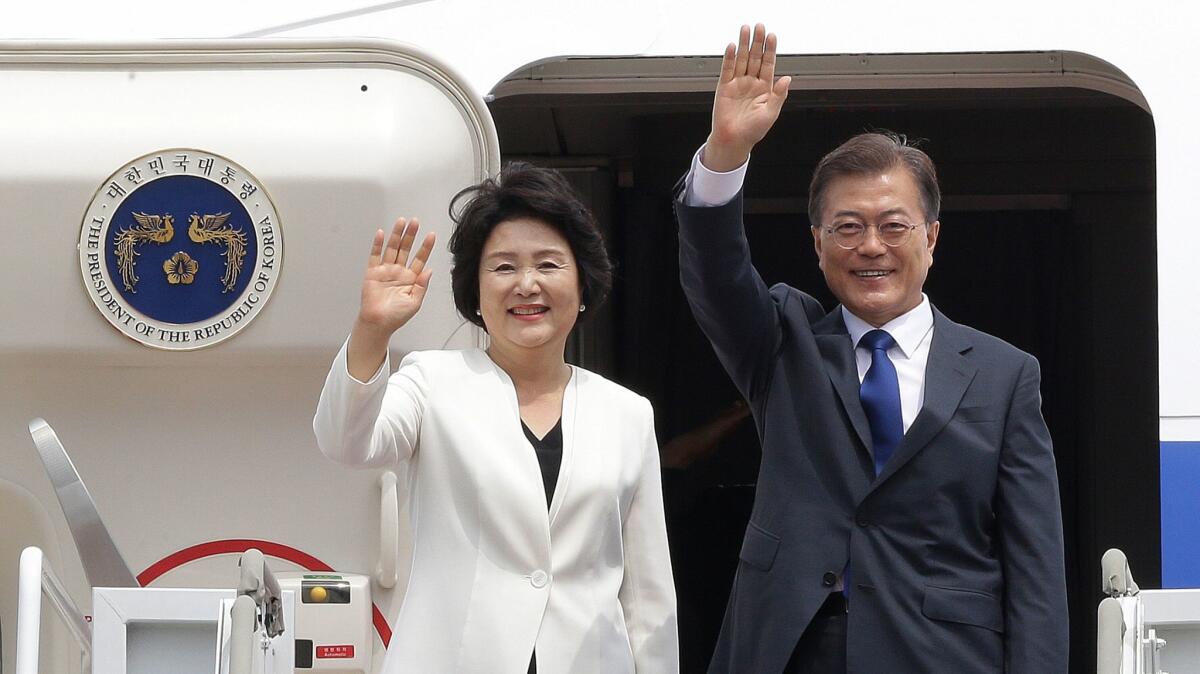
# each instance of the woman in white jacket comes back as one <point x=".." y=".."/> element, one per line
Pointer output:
<point x="537" y="517"/>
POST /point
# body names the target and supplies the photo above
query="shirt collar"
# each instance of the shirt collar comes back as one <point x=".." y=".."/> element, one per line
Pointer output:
<point x="908" y="329"/>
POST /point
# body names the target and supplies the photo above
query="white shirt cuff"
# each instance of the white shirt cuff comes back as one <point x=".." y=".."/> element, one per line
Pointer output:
<point x="704" y="187"/>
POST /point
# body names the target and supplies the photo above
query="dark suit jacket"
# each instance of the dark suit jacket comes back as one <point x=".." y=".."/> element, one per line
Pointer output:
<point x="957" y="546"/>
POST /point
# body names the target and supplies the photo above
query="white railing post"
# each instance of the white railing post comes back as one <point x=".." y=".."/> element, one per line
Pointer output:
<point x="389" y="531"/>
<point x="37" y="578"/>
<point x="243" y="627"/>
<point x="29" y="611"/>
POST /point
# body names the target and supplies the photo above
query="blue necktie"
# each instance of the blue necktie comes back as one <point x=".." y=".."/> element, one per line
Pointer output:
<point x="880" y="396"/>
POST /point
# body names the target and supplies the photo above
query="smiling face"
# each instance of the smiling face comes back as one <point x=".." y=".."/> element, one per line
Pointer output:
<point x="528" y="286"/>
<point x="875" y="282"/>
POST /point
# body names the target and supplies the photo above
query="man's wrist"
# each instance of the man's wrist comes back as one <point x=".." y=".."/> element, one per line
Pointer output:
<point x="721" y="157"/>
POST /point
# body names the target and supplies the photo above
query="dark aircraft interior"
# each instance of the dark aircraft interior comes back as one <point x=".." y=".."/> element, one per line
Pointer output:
<point x="1046" y="163"/>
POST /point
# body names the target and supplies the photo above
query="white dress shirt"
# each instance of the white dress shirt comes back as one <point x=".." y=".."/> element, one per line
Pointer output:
<point x="913" y="331"/>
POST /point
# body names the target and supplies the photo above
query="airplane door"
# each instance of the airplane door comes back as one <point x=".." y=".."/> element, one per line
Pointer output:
<point x="186" y="225"/>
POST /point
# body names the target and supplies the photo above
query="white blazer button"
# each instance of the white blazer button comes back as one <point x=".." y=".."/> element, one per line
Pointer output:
<point x="539" y="579"/>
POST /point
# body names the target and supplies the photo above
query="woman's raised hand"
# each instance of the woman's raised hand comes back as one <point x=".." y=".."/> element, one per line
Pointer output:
<point x="748" y="99"/>
<point x="393" y="285"/>
<point x="392" y="291"/>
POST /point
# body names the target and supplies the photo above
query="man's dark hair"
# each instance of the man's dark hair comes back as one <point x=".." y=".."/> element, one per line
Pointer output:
<point x="872" y="154"/>
<point x="524" y="191"/>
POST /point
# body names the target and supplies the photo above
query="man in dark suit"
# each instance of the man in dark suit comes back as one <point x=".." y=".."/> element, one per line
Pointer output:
<point x="907" y="516"/>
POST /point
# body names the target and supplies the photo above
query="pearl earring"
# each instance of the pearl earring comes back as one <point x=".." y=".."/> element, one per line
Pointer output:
<point x="478" y="312"/>
<point x="582" y="308"/>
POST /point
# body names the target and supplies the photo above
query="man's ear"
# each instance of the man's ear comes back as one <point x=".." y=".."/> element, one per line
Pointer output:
<point x="816" y="233"/>
<point x="931" y="237"/>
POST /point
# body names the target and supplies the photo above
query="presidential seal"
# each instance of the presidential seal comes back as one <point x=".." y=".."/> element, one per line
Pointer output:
<point x="180" y="249"/>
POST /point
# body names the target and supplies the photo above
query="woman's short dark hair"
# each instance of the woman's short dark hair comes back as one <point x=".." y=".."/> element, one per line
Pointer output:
<point x="524" y="191"/>
<point x="872" y="154"/>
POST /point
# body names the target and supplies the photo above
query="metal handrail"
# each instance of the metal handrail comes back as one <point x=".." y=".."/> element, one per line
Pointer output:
<point x="242" y="630"/>
<point x="1117" y="579"/>
<point x="1110" y="636"/>
<point x="258" y="582"/>
<point x="389" y="531"/>
<point x="36" y="579"/>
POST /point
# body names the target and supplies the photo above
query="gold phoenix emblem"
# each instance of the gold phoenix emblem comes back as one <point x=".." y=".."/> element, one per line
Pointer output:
<point x="181" y="268"/>
<point x="212" y="229"/>
<point x="150" y="228"/>
<point x="160" y="229"/>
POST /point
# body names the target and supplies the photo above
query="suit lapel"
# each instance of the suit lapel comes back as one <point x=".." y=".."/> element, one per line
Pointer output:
<point x="531" y="528"/>
<point x="947" y="375"/>
<point x="570" y="405"/>
<point x="838" y="353"/>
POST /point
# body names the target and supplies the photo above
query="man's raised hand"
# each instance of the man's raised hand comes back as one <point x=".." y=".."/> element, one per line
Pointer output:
<point x="748" y="99"/>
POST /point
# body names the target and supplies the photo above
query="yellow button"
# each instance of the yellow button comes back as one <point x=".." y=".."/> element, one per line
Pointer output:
<point x="318" y="594"/>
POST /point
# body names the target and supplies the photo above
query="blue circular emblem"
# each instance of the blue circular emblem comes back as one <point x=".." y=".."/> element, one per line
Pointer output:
<point x="180" y="249"/>
<point x="181" y="266"/>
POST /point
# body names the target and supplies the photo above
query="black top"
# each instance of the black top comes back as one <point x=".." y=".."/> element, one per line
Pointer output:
<point x="549" y="455"/>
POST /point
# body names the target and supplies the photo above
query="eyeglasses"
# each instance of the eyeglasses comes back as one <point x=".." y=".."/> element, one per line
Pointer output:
<point x="850" y="235"/>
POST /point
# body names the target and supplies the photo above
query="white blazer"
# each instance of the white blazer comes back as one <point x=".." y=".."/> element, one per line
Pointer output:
<point x="493" y="574"/>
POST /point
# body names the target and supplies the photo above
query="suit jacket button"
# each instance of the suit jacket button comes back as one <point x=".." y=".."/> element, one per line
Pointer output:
<point x="862" y="521"/>
<point x="539" y="579"/>
<point x="829" y="579"/>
